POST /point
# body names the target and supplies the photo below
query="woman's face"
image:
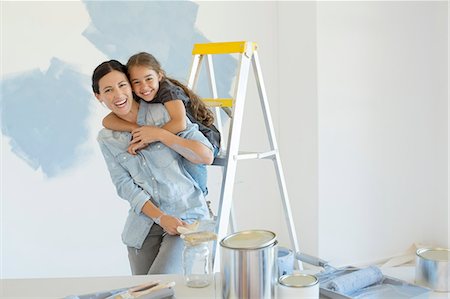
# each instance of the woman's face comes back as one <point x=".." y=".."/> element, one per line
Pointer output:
<point x="145" y="82"/>
<point x="115" y="92"/>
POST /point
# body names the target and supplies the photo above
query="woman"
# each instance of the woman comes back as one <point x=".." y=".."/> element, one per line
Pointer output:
<point x="162" y="195"/>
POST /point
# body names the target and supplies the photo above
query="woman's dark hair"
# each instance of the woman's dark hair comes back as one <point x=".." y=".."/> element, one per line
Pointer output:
<point x="105" y="68"/>
<point x="197" y="106"/>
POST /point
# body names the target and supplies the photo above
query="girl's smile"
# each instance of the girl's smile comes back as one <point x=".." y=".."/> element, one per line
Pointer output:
<point x="145" y="82"/>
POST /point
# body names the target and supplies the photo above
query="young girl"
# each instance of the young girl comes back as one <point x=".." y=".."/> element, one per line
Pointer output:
<point x="150" y="83"/>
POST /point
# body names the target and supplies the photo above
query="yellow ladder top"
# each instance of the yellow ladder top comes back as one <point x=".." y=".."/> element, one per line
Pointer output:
<point x="223" y="48"/>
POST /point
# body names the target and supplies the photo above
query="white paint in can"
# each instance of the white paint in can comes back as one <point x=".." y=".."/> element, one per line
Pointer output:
<point x="298" y="286"/>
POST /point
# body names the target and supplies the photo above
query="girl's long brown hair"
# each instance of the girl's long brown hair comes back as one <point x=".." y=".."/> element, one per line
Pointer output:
<point x="197" y="107"/>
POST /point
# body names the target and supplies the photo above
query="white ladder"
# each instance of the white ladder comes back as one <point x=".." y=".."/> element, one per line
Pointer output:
<point x="228" y="158"/>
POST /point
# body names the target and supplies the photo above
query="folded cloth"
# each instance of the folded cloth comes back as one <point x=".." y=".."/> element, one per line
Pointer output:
<point x="349" y="283"/>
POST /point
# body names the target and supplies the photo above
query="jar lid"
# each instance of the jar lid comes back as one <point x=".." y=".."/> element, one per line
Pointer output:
<point x="298" y="280"/>
<point x="198" y="237"/>
<point x="249" y="239"/>
<point x="434" y="254"/>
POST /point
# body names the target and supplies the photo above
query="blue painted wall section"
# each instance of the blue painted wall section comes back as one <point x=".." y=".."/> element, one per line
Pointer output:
<point x="165" y="29"/>
<point x="44" y="115"/>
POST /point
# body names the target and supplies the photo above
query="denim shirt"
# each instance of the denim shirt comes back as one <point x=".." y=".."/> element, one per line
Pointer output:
<point x="156" y="173"/>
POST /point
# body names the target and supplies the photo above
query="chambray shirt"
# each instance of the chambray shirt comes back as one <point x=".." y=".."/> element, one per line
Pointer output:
<point x="156" y="173"/>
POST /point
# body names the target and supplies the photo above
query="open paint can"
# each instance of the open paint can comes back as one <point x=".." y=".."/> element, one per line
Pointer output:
<point x="249" y="265"/>
<point x="298" y="286"/>
<point x="433" y="268"/>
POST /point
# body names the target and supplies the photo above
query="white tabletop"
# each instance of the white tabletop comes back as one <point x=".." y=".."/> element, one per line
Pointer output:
<point x="49" y="288"/>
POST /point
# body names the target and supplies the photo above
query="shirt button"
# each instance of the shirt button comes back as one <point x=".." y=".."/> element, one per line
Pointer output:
<point x="153" y="178"/>
<point x="159" y="146"/>
<point x="144" y="163"/>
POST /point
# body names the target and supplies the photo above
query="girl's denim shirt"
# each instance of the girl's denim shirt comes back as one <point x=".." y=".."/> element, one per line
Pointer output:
<point x="156" y="173"/>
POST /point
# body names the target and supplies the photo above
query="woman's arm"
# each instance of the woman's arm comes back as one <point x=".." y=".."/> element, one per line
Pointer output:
<point x="138" y="198"/>
<point x="192" y="150"/>
<point x="177" y="113"/>
<point x="167" y="222"/>
<point x="113" y="122"/>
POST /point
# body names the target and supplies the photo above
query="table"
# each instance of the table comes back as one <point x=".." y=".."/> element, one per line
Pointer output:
<point x="49" y="288"/>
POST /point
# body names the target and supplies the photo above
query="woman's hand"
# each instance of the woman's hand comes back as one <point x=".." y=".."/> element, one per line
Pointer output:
<point x="170" y="224"/>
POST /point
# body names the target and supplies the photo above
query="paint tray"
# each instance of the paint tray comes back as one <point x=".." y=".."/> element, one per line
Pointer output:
<point x="388" y="287"/>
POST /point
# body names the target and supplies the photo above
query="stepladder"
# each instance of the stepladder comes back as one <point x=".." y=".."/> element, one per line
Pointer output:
<point x="230" y="155"/>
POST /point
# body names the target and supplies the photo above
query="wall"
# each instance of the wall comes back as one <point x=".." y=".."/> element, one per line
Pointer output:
<point x="357" y="92"/>
<point x="383" y="156"/>
<point x="297" y="98"/>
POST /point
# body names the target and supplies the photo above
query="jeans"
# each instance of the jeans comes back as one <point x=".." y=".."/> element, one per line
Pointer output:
<point x="161" y="253"/>
<point x="199" y="172"/>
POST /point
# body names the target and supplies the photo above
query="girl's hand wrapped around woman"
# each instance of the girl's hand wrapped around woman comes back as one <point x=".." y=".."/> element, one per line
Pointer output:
<point x="142" y="137"/>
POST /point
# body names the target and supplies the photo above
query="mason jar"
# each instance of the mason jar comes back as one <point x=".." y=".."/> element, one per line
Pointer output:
<point x="197" y="264"/>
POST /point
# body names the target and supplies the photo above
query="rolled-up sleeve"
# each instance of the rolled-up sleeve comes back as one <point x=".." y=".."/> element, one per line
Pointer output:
<point x="191" y="132"/>
<point x="125" y="185"/>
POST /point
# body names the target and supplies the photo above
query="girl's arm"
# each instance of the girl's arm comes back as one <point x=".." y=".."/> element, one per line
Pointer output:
<point x="177" y="112"/>
<point x="193" y="150"/>
<point x="115" y="123"/>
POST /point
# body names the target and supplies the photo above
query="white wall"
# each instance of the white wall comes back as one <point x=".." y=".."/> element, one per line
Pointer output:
<point x="382" y="96"/>
<point x="358" y="96"/>
<point x="297" y="99"/>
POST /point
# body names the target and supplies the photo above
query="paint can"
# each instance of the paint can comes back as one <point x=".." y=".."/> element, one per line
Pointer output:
<point x="285" y="261"/>
<point x="249" y="265"/>
<point x="298" y="285"/>
<point x="433" y="268"/>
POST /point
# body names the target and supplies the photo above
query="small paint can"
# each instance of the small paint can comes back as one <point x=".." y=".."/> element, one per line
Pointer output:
<point x="285" y="261"/>
<point x="433" y="268"/>
<point x="298" y="285"/>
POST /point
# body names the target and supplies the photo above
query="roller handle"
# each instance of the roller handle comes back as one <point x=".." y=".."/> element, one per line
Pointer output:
<point x="311" y="259"/>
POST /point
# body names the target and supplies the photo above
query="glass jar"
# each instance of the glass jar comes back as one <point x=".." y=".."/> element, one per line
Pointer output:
<point x="197" y="264"/>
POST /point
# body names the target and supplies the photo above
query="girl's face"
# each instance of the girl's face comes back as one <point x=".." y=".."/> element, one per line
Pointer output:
<point x="144" y="81"/>
<point x="115" y="92"/>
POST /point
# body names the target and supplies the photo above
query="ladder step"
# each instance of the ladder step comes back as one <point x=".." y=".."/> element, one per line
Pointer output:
<point x="219" y="102"/>
<point x="221" y="159"/>
<point x="221" y="48"/>
<point x="255" y="155"/>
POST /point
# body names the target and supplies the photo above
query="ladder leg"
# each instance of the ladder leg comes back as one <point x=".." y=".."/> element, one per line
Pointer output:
<point x="232" y="151"/>
<point x="195" y="71"/>
<point x="232" y="220"/>
<point x="219" y="124"/>
<point x="276" y="160"/>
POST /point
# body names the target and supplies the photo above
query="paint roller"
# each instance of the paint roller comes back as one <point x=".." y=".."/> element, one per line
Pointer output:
<point x="347" y="283"/>
<point x="354" y="281"/>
